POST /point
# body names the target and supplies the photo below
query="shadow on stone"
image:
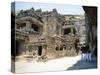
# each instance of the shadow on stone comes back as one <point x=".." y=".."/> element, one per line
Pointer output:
<point x="84" y="65"/>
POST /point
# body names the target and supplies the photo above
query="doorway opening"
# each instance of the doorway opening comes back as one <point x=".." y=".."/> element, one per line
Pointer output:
<point x="19" y="47"/>
<point x="67" y="31"/>
<point x="39" y="50"/>
<point x="35" y="28"/>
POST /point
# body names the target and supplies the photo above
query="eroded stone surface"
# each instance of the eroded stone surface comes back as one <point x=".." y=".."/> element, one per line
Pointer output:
<point x="45" y="33"/>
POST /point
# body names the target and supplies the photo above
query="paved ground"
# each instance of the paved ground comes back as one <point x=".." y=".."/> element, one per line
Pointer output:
<point x="65" y="63"/>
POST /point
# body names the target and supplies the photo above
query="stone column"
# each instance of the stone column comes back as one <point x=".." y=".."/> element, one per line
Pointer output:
<point x="28" y="25"/>
<point x="60" y="29"/>
<point x="72" y="30"/>
<point x="45" y="25"/>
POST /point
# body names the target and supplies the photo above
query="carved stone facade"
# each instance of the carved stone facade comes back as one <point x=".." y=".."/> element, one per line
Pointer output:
<point x="46" y="34"/>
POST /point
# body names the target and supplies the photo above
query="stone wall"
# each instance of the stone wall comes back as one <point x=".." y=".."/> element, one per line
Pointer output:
<point x="50" y="32"/>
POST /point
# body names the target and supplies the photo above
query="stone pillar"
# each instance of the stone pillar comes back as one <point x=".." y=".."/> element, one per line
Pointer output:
<point x="72" y="30"/>
<point x="45" y="25"/>
<point x="44" y="50"/>
<point x="28" y="26"/>
<point x="60" y="30"/>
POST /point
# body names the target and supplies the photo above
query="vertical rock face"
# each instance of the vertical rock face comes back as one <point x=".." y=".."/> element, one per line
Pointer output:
<point x="49" y="33"/>
<point x="91" y="22"/>
<point x="91" y="12"/>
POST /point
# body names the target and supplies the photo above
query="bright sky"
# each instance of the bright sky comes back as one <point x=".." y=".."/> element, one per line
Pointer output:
<point x="61" y="8"/>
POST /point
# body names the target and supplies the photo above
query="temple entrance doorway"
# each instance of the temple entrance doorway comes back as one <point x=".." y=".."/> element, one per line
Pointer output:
<point x="19" y="47"/>
<point x="39" y="50"/>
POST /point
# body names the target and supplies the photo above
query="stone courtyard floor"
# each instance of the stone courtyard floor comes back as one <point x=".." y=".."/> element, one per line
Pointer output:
<point x="59" y="64"/>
